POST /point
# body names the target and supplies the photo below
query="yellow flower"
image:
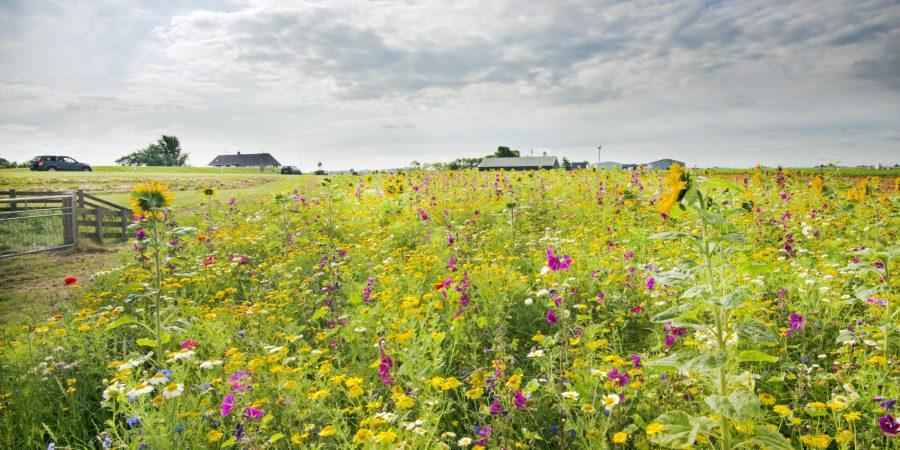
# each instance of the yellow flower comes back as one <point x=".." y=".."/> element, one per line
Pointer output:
<point x="654" y="428"/>
<point x="327" y="431"/>
<point x="214" y="435"/>
<point x="209" y="192"/>
<point x="386" y="436"/>
<point x="475" y="393"/>
<point x="766" y="399"/>
<point x="620" y="438"/>
<point x="405" y="402"/>
<point x="144" y="198"/>
<point x="817" y="441"/>
<point x="299" y="438"/>
<point x="852" y="416"/>
<point x="449" y="384"/>
<point x="816" y="185"/>
<point x="844" y="437"/>
<point x="362" y="435"/>
<point x="782" y="410"/>
<point x="514" y="382"/>
<point x="355" y="391"/>
<point x="676" y="186"/>
<point x="587" y="408"/>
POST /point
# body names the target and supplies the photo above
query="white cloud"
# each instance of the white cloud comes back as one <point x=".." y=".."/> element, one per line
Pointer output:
<point x="369" y="83"/>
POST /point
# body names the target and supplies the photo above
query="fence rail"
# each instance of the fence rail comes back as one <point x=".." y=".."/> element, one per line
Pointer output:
<point x="37" y="224"/>
<point x="89" y="216"/>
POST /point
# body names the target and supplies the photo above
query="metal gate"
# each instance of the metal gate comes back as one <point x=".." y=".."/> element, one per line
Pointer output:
<point x="37" y="224"/>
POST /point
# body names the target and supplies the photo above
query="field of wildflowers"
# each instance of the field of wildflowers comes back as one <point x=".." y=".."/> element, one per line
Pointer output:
<point x="473" y="310"/>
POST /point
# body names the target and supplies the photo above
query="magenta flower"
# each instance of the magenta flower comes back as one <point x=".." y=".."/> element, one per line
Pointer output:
<point x="555" y="263"/>
<point x="670" y="340"/>
<point x="253" y="413"/>
<point x="650" y="283"/>
<point x="227" y="405"/>
<point x="637" y="309"/>
<point x="189" y="344"/>
<point x="551" y="317"/>
<point x="889" y="425"/>
<point x="601" y="297"/>
<point x="496" y="408"/>
<point x="520" y="400"/>
<point x="796" y="323"/>
<point x="387" y="363"/>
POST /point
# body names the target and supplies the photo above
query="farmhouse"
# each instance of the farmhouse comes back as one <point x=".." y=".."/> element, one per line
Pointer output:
<point x="245" y="160"/>
<point x="524" y="163"/>
<point x="580" y="165"/>
<point x="663" y="164"/>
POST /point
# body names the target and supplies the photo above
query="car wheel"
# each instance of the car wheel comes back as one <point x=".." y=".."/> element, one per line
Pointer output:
<point x="51" y="169"/>
<point x="86" y="169"/>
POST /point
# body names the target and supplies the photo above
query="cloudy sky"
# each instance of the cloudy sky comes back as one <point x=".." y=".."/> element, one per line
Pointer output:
<point x="375" y="84"/>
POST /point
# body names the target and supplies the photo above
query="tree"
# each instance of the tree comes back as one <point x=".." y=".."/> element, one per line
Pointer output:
<point x="165" y="152"/>
<point x="505" y="152"/>
<point x="566" y="164"/>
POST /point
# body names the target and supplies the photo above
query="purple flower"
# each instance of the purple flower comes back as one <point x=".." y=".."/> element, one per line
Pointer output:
<point x="253" y="413"/>
<point x="650" y="283"/>
<point x="796" y="323"/>
<point x="551" y="317"/>
<point x="496" y="408"/>
<point x="387" y="363"/>
<point x="670" y="340"/>
<point x="628" y="255"/>
<point x="555" y="263"/>
<point x="888" y="404"/>
<point x="636" y="360"/>
<point x="140" y="234"/>
<point x="888" y="424"/>
<point x="520" y="400"/>
<point x="600" y="297"/>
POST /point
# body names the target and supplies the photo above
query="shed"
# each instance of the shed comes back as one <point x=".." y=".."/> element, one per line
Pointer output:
<point x="245" y="160"/>
<point x="522" y="163"/>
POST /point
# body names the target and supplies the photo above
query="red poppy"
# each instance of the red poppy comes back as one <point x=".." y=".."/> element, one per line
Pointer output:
<point x="70" y="281"/>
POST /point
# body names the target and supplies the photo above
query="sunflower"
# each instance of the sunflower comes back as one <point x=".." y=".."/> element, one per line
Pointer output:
<point x="209" y="192"/>
<point x="146" y="199"/>
<point x="677" y="186"/>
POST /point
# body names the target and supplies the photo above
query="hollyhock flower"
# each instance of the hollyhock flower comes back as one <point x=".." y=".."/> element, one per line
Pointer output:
<point x="889" y="425"/>
<point x="670" y="340"/>
<point x="650" y="283"/>
<point x="555" y="263"/>
<point x="796" y="323"/>
<point x="387" y="363"/>
<point x="551" y="317"/>
<point x="70" y="281"/>
<point x="253" y="413"/>
<point x="520" y="400"/>
<point x="227" y="405"/>
<point x="496" y="408"/>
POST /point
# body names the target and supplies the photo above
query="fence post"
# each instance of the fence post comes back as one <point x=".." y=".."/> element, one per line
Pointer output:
<point x="12" y="194"/>
<point x="80" y="193"/>
<point x="73" y="217"/>
<point x="123" y="213"/>
<point x="98" y="222"/>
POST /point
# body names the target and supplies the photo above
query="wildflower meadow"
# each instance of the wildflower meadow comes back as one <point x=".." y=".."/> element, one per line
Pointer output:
<point x="481" y="310"/>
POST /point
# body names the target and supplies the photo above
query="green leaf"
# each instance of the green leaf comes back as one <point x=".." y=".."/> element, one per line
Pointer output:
<point x="320" y="313"/>
<point x="123" y="320"/>
<point x="679" y="430"/>
<point x="720" y="183"/>
<point x="756" y="268"/>
<point x="864" y="292"/>
<point x="745" y="403"/>
<point x="757" y="331"/>
<point x="672" y="313"/>
<point x="146" y="342"/>
<point x="720" y="405"/>
<point x="275" y="438"/>
<point x="756" y="356"/>
<point x="769" y="439"/>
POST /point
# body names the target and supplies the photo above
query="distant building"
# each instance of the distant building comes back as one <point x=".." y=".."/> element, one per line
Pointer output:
<point x="579" y="164"/>
<point x="245" y="160"/>
<point x="524" y="163"/>
<point x="663" y="164"/>
<point x="608" y="165"/>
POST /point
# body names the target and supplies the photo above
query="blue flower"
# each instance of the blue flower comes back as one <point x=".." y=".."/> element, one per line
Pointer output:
<point x="166" y="372"/>
<point x="133" y="422"/>
<point x="180" y="428"/>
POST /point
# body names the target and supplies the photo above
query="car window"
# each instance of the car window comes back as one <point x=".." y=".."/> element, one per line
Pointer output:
<point x="68" y="160"/>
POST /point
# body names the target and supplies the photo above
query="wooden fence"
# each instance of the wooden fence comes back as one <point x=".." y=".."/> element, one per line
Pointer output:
<point x="95" y="218"/>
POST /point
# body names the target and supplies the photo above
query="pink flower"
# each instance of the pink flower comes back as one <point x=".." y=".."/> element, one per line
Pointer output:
<point x="227" y="405"/>
<point x="637" y="309"/>
<point x="555" y="263"/>
<point x="254" y="413"/>
<point x="189" y="344"/>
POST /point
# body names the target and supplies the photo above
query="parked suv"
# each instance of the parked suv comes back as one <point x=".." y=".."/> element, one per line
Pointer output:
<point x="58" y="163"/>
<point x="290" y="170"/>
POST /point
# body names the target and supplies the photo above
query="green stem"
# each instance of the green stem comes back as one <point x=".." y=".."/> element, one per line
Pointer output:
<point x="156" y="257"/>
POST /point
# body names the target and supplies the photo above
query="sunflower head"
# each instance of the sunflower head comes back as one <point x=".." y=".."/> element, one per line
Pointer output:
<point x="147" y="199"/>
<point x="677" y="182"/>
<point x="209" y="192"/>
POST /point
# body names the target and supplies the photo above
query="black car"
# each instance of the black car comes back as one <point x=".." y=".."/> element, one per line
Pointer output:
<point x="58" y="163"/>
<point x="290" y="170"/>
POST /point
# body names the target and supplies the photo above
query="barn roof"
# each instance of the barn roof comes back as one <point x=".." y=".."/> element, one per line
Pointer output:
<point x="245" y="159"/>
<point x="529" y="161"/>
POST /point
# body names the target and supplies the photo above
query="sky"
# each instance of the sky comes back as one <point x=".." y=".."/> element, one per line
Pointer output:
<point x="378" y="84"/>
